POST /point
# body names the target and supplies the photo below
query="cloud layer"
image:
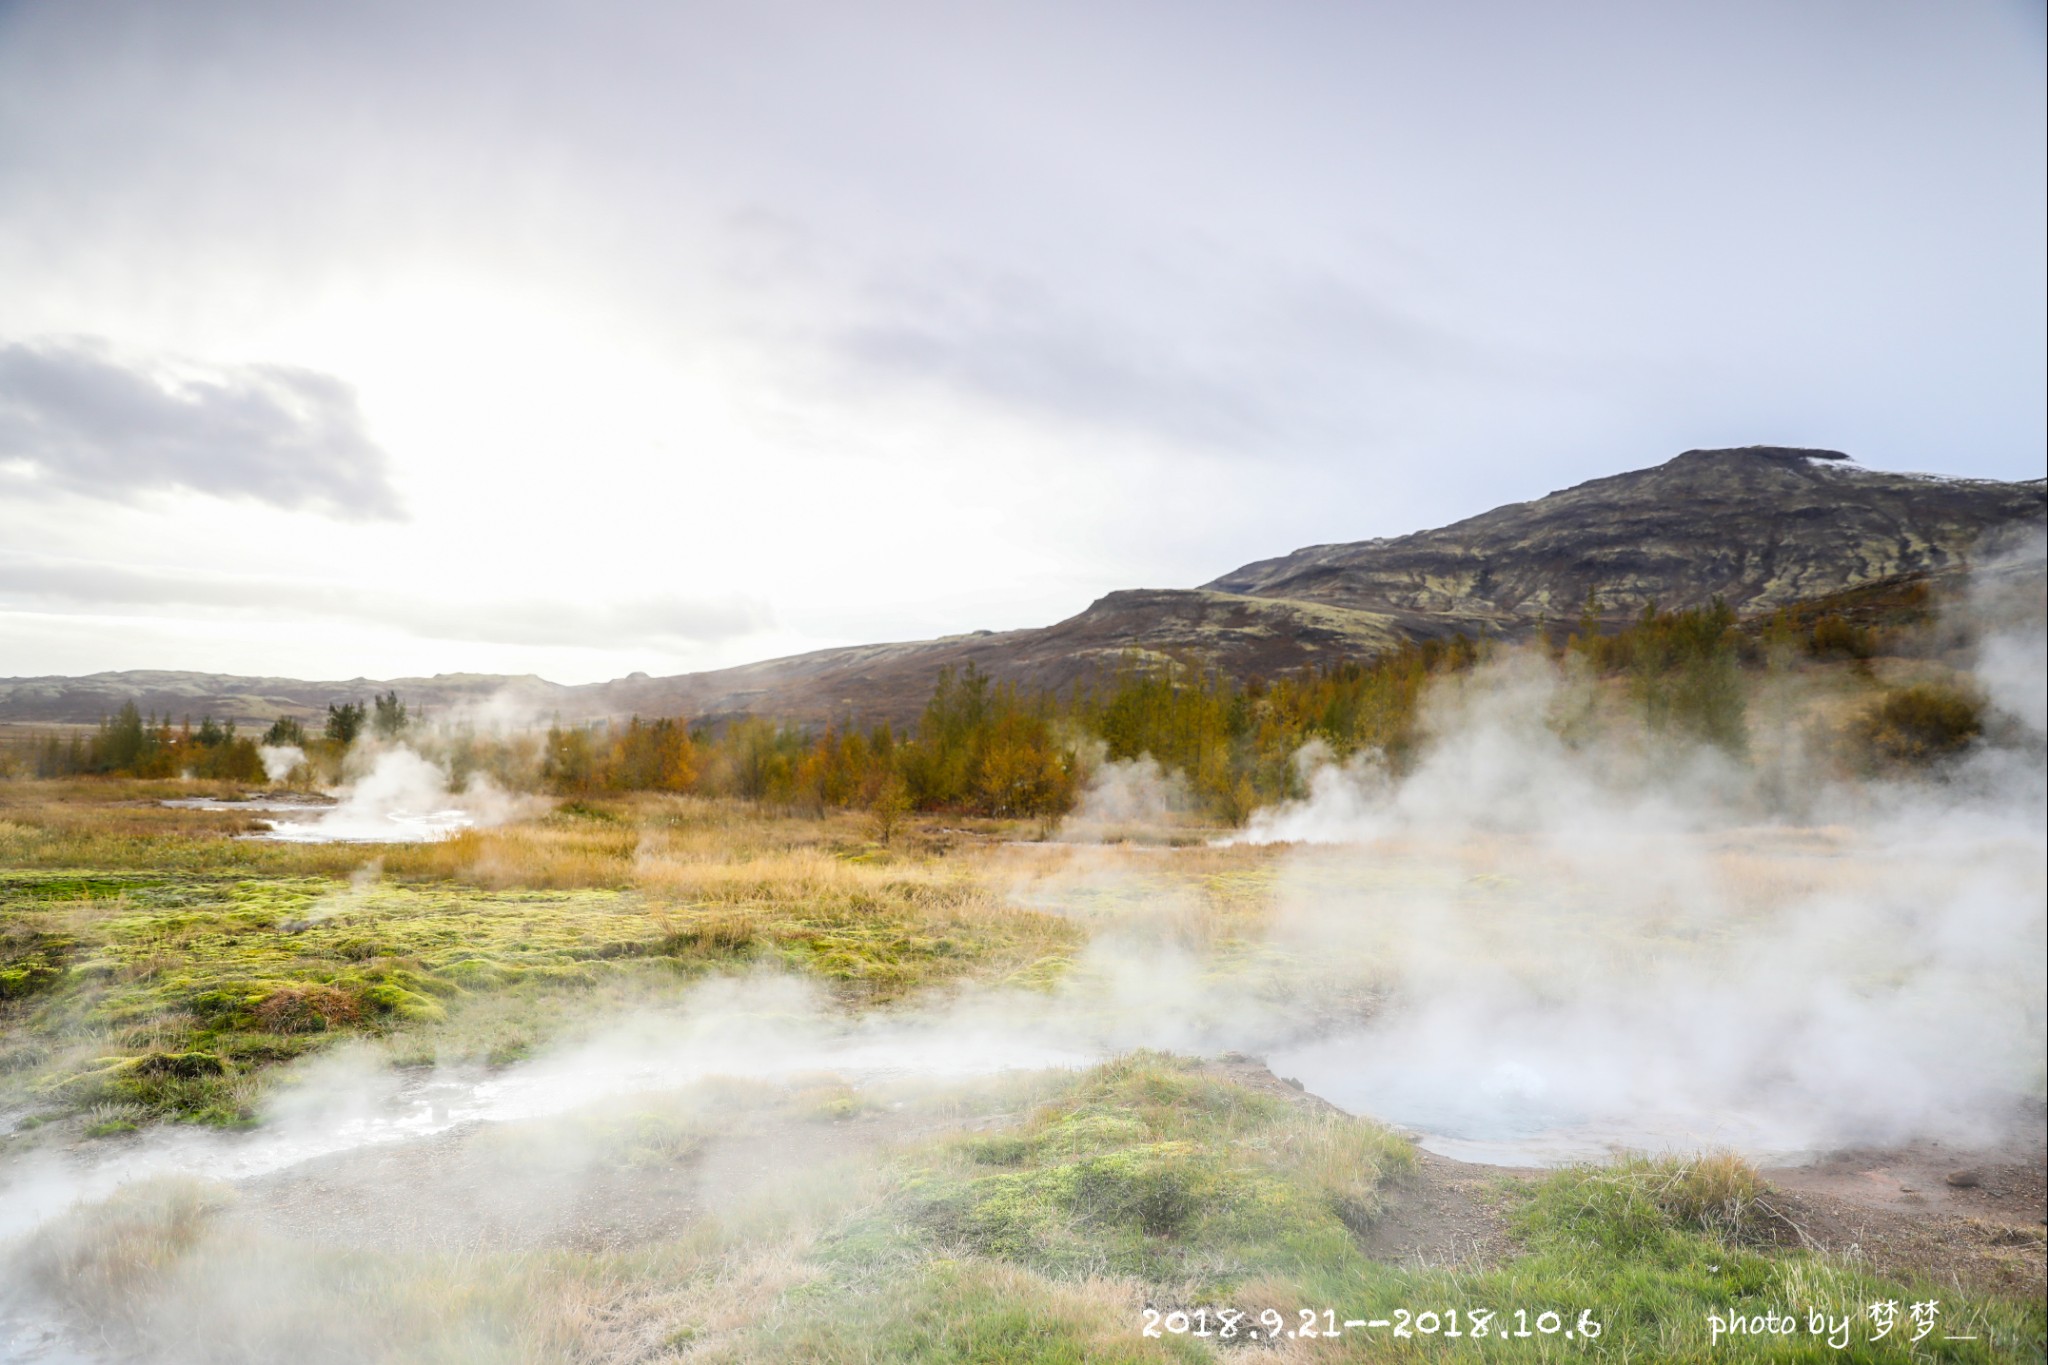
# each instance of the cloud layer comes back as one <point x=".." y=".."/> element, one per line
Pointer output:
<point x="646" y="619"/>
<point x="75" y="416"/>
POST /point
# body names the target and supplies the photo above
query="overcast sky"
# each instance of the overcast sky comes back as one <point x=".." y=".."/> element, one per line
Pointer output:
<point x="395" y="338"/>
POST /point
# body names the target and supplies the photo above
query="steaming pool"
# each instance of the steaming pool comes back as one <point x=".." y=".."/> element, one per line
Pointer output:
<point x="1511" y="1114"/>
<point x="312" y="822"/>
<point x="1523" y="1110"/>
<point x="339" y="1106"/>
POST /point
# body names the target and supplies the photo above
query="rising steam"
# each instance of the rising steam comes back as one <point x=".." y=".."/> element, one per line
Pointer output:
<point x="280" y="760"/>
<point x="404" y="798"/>
<point x="1601" y="942"/>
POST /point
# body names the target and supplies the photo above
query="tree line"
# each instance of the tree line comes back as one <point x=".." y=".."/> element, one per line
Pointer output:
<point x="983" y="747"/>
<point x="132" y="744"/>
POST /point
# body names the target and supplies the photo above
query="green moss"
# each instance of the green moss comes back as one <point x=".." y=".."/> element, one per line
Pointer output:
<point x="1148" y="1169"/>
<point x="390" y="999"/>
<point x="1001" y="1150"/>
<point x="27" y="975"/>
<point x="110" y="1128"/>
<point x="261" y="969"/>
<point x="953" y="1313"/>
<point x="43" y="886"/>
<point x="1197" y="1191"/>
<point x="478" y="973"/>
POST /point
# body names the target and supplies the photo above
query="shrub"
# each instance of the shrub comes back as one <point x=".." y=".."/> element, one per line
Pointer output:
<point x="307" y="1009"/>
<point x="1717" y="1193"/>
<point x="1922" y="723"/>
<point x="1834" y="636"/>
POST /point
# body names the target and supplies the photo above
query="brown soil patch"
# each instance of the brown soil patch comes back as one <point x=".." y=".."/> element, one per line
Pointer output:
<point x="1444" y="1215"/>
<point x="1972" y="1216"/>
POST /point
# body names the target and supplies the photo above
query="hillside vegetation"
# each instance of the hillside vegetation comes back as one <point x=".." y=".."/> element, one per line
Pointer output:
<point x="1874" y="682"/>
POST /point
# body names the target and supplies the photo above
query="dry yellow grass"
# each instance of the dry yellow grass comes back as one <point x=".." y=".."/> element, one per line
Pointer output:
<point x="539" y="855"/>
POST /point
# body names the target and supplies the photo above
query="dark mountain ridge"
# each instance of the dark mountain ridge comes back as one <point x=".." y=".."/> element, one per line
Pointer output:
<point x="1761" y="526"/>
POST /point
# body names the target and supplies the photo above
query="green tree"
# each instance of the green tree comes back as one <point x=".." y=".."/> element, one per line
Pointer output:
<point x="283" y="731"/>
<point x="390" y="720"/>
<point x="345" y="722"/>
<point x="123" y="740"/>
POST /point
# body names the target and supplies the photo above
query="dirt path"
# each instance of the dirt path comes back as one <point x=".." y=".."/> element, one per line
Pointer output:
<point x="1444" y="1215"/>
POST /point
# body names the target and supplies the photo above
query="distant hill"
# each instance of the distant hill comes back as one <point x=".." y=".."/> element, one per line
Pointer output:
<point x="1761" y="526"/>
<point x="58" y="700"/>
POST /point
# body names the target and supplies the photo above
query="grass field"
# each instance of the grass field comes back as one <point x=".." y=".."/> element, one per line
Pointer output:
<point x="157" y="974"/>
<point x="154" y="968"/>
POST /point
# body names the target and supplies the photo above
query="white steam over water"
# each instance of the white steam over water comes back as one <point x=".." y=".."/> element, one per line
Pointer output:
<point x="1635" y="950"/>
<point x="772" y="1029"/>
<point x="1570" y="944"/>
<point x="404" y="798"/>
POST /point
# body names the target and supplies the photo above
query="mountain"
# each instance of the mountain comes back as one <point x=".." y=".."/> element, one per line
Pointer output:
<point x="1761" y="526"/>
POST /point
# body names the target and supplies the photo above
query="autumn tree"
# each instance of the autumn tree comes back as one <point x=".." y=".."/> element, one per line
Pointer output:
<point x="569" y="760"/>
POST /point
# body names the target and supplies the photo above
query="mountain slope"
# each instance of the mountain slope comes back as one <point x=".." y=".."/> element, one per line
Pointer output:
<point x="892" y="682"/>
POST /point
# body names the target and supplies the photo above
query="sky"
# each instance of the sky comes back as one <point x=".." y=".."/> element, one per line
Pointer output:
<point x="387" y="339"/>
